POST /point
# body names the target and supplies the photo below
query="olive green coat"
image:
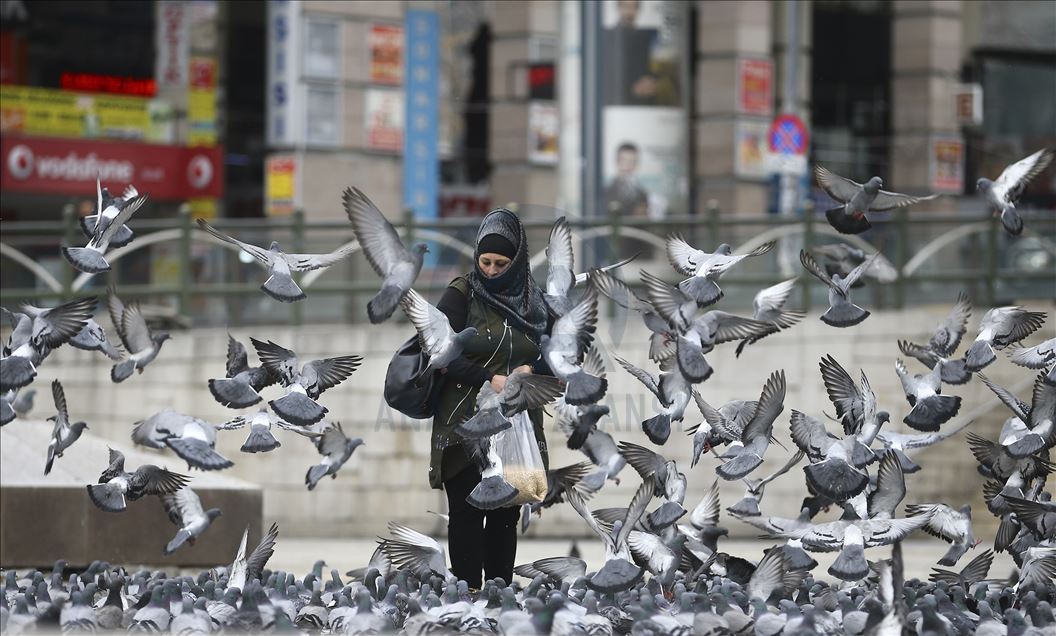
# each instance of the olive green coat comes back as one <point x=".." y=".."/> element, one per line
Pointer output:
<point x="497" y="347"/>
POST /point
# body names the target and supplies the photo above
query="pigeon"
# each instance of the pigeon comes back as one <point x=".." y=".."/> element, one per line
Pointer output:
<point x="336" y="449"/>
<point x="1001" y="327"/>
<point x="36" y="332"/>
<point x="194" y="440"/>
<point x="438" y="341"/>
<point x="14" y="403"/>
<point x="768" y="306"/>
<point x="582" y="420"/>
<point x="557" y="569"/>
<point x="857" y="199"/>
<point x="657" y="470"/>
<point x="953" y="526"/>
<point x="899" y="443"/>
<point x="997" y="463"/>
<point x="703" y="268"/>
<point x="704" y="520"/>
<point x="493" y="491"/>
<point x="280" y="284"/>
<point x="64" y="434"/>
<point x="944" y="342"/>
<point x="18" y="365"/>
<point x="923" y="392"/>
<point x="303" y="383"/>
<point x="385" y="252"/>
<point x="241" y="387"/>
<point x="1035" y="429"/>
<point x="836" y="464"/>
<point x="141" y="342"/>
<point x="618" y="573"/>
<point x="601" y="450"/>
<point x="566" y="344"/>
<point x="260" y="439"/>
<point x="661" y="334"/>
<point x="855" y="407"/>
<point x="720" y="426"/>
<point x="841" y="312"/>
<point x="560" y="276"/>
<point x="185" y="511"/>
<point x="758" y="431"/>
<point x="673" y="391"/>
<point x="1037" y="357"/>
<point x="412" y="550"/>
<point x="1002" y="195"/>
<point x="245" y="569"/>
<point x="1038" y="517"/>
<point x="107" y="207"/>
<point x="521" y="392"/>
<point x="841" y="258"/>
<point x="93" y="338"/>
<point x="116" y="486"/>
<point x="89" y="259"/>
<point x="558" y="481"/>
<point x="974" y="572"/>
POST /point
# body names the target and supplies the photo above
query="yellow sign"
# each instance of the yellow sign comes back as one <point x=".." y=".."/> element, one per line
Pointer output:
<point x="29" y="110"/>
<point x="279" y="174"/>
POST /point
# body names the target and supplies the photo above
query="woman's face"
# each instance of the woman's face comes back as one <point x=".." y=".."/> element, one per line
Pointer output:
<point x="491" y="265"/>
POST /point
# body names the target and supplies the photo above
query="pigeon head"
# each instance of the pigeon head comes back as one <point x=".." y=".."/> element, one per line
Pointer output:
<point x="724" y="248"/>
<point x="213" y="513"/>
<point x="421" y="248"/>
<point x="883" y="417"/>
<point x="873" y="184"/>
<point x="274" y="247"/>
<point x="982" y="185"/>
<point x="78" y="427"/>
<point x="161" y="337"/>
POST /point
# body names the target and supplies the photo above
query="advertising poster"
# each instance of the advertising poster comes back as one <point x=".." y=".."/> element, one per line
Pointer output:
<point x="384" y="119"/>
<point x="386" y="54"/>
<point x="543" y="125"/>
<point x="47" y="112"/>
<point x="280" y="184"/>
<point x="642" y="42"/>
<point x="644" y="161"/>
<point x="946" y="163"/>
<point x="751" y="149"/>
<point x="755" y="87"/>
<point x="201" y="102"/>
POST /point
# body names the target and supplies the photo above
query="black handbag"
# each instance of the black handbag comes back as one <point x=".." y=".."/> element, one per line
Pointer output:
<point x="416" y="399"/>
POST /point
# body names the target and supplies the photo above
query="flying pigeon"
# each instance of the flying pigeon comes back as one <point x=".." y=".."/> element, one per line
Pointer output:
<point x="260" y="439"/>
<point x="704" y="520"/>
<point x="923" y="392"/>
<point x="753" y="494"/>
<point x="1001" y="327"/>
<point x="18" y="365"/>
<point x="107" y="207"/>
<point x="185" y="511"/>
<point x="439" y="342"/>
<point x="117" y="485"/>
<point x="855" y="407"/>
<point x="673" y="391"/>
<point x="385" y="252"/>
<point x="522" y="391"/>
<point x="582" y="420"/>
<point x="93" y="338"/>
<point x="757" y="432"/>
<point x="194" y="440"/>
<point x="973" y="573"/>
<point x="64" y="434"/>
<point x="952" y="526"/>
<point x="15" y="403"/>
<point x="601" y="450"/>
<point x="703" y="268"/>
<point x="1033" y="429"/>
<point x="944" y="342"/>
<point x="841" y="312"/>
<point x="410" y="549"/>
<point x="280" y="284"/>
<point x="1002" y="195"/>
<point x="37" y="332"/>
<point x="246" y="569"/>
<point x="836" y="464"/>
<point x="1037" y="357"/>
<point x="618" y="573"/>
<point x="857" y="199"/>
<point x="564" y="347"/>
<point x="558" y="481"/>
<point x="841" y="258"/>
<point x="89" y="259"/>
<point x="723" y="425"/>
<point x="768" y="306"/>
<point x="241" y="387"/>
<point x="661" y="335"/>
<point x="336" y="449"/>
<point x="657" y="470"/>
<point x="141" y="343"/>
<point x="303" y="382"/>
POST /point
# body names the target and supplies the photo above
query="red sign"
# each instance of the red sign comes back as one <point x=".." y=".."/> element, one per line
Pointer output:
<point x="70" y="166"/>
<point x="95" y="83"/>
<point x="755" y="87"/>
<point x="788" y="135"/>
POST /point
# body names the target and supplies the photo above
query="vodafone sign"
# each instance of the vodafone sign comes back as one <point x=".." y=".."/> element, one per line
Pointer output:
<point x="70" y="166"/>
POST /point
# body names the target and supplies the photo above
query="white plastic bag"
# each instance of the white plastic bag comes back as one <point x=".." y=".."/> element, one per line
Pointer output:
<point x="520" y="460"/>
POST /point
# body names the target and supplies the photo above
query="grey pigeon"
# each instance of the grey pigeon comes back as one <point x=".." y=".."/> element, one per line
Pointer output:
<point x="1037" y="357"/>
<point x="973" y="573"/>
<point x="671" y="389"/>
<point x="704" y="519"/>
<point x="769" y="307"/>
<point x="944" y="342"/>
<point x="185" y="511"/>
<point x="758" y="432"/>
<point x="566" y="344"/>
<point x="662" y="473"/>
<point x="558" y="481"/>
<point x="601" y="450"/>
<point x="93" y="338"/>
<point x="930" y="409"/>
<point x="260" y="439"/>
<point x="857" y="199"/>
<point x="192" y="619"/>
<point x="155" y="616"/>
<point x="855" y="406"/>
<point x="662" y="336"/>
<point x="18" y="364"/>
<point x="703" y="268"/>
<point x="560" y="275"/>
<point x="192" y="439"/>
<point x="107" y="207"/>
<point x="1002" y="195"/>
<point x="582" y="420"/>
<point x="141" y="343"/>
<point x="410" y="549"/>
<point x="754" y="488"/>
<point x="336" y="449"/>
<point x="438" y="341"/>
<point x="558" y="569"/>
<point x="889" y="491"/>
<point x="836" y="468"/>
<point x="1034" y="429"/>
<point x="841" y="258"/>
<point x="842" y="312"/>
<point x="723" y="425"/>
<point x="1001" y="327"/>
<point x="521" y="392"/>
<point x="14" y="403"/>
<point x="1038" y="517"/>
<point x="243" y="383"/>
<point x="303" y="382"/>
<point x="37" y="331"/>
<point x="952" y="526"/>
<point x="899" y="443"/>
<point x="116" y="485"/>
<point x="245" y="569"/>
<point x="64" y="433"/>
<point x="618" y="573"/>
<point x="89" y="259"/>
<point x="385" y="252"/>
<point x="280" y="265"/>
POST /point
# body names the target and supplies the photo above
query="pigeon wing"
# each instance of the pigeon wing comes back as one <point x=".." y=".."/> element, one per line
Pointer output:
<point x="433" y="327"/>
<point x="706" y="514"/>
<point x="685" y="258"/>
<point x="842" y="391"/>
<point x="560" y="259"/>
<point x="334" y="371"/>
<point x="262" y="255"/>
<point x="580" y="322"/>
<point x="274" y="357"/>
<point x="890" y="486"/>
<point x="772" y="298"/>
<point x="1014" y="179"/>
<point x="771" y="403"/>
<point x="948" y="335"/>
<point x="525" y="391"/>
<point x="644" y="461"/>
<point x="63" y="418"/>
<point x="635" y="510"/>
<point x="643" y="376"/>
<point x="332" y="442"/>
<point x="815" y="270"/>
<point x="137" y="333"/>
<point x="810" y="436"/>
<point x="106" y="235"/>
<point x="618" y="291"/>
<point x="668" y="301"/>
<point x="837" y="187"/>
<point x="237" y="359"/>
<point x="257" y="559"/>
<point x="890" y="200"/>
<point x="729" y="327"/>
<point x="152" y="480"/>
<point x="67" y="320"/>
<point x="308" y="262"/>
<point x="378" y="238"/>
<point x="1018" y="407"/>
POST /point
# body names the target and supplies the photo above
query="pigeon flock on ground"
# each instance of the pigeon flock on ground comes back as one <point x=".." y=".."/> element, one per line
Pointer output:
<point x="664" y="570"/>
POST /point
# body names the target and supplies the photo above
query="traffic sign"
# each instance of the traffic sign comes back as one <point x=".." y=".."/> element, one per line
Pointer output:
<point x="788" y="135"/>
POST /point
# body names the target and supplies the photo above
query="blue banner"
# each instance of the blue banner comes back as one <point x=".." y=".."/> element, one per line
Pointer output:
<point x="421" y="162"/>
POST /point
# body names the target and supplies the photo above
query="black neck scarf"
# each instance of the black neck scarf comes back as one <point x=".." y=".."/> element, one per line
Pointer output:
<point x="512" y="293"/>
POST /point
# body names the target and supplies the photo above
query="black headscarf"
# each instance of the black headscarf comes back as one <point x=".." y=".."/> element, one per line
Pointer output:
<point x="512" y="293"/>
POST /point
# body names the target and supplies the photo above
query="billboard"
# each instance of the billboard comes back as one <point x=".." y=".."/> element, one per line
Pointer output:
<point x="47" y="112"/>
<point x="386" y="54"/>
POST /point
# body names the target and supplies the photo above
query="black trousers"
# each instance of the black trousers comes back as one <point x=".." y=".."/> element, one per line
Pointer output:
<point x="479" y="539"/>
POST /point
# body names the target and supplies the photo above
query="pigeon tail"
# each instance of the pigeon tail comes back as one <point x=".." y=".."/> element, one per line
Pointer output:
<point x="954" y="554"/>
<point x="908" y="465"/>
<point x="381" y="306"/>
<point x="929" y="413"/>
<point x="668" y="513"/>
<point x="16" y="372"/>
<point x="492" y="492"/>
<point x="796" y="558"/>
<point x="7" y="413"/>
<point x="198" y="453"/>
<point x="1026" y="446"/>
<point x="836" y="479"/>
<point x="260" y="440"/>
<point x="847" y="315"/>
<point x="979" y="355"/>
<point x="847" y="223"/>
<point x="658" y="428"/>
<point x="526" y="517"/>
<point x="747" y="507"/>
<point x="181" y="537"/>
<point x="86" y="260"/>
<point x="1007" y="531"/>
<point x="617" y="575"/>
<point x="233" y="393"/>
<point x="739" y="466"/>
<point x="122" y="370"/>
<point x="850" y="565"/>
<point x="108" y="497"/>
<point x="691" y="362"/>
<point x="121" y="238"/>
<point x="584" y="388"/>
<point x="299" y="409"/>
<point x="484" y="423"/>
<point x="953" y="372"/>
<point x="314" y="474"/>
<point x="1012" y="221"/>
<point x="702" y="290"/>
<point x="283" y="289"/>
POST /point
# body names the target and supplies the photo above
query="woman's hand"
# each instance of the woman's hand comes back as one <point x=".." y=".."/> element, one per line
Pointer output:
<point x="498" y="382"/>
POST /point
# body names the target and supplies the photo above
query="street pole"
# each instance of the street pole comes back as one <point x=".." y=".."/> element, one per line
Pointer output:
<point x="788" y="200"/>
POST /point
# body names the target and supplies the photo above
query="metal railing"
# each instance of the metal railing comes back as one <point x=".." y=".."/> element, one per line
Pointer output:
<point x="932" y="252"/>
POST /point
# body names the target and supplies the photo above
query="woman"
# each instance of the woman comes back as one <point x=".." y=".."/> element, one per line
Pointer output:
<point x="499" y="298"/>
